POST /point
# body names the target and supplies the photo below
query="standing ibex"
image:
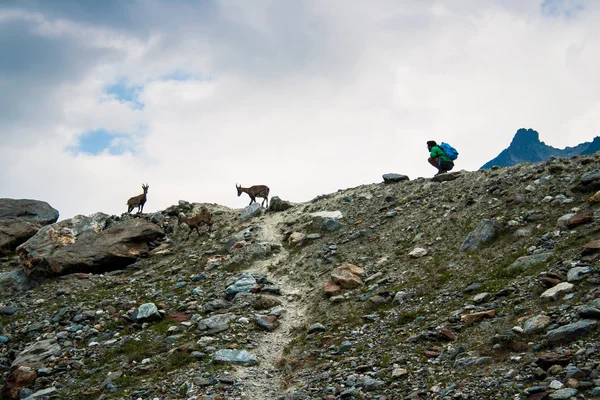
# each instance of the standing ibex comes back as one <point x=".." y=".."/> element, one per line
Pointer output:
<point x="254" y="192"/>
<point x="138" y="201"/>
<point x="205" y="217"/>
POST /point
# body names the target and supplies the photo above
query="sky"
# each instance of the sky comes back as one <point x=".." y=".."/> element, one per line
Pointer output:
<point x="307" y="97"/>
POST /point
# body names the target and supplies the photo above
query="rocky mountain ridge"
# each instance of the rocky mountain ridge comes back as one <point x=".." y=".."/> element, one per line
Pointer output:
<point x="470" y="285"/>
<point x="527" y="147"/>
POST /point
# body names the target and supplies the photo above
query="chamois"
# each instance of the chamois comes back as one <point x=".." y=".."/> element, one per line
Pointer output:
<point x="254" y="192"/>
<point x="205" y="217"/>
<point x="138" y="201"/>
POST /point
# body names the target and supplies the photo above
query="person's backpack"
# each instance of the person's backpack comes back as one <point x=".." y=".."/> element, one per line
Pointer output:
<point x="449" y="150"/>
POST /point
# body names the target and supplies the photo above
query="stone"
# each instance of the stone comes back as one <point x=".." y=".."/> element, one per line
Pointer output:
<point x="267" y="322"/>
<point x="15" y="231"/>
<point x="577" y="273"/>
<point x="589" y="182"/>
<point x="571" y="332"/>
<point x="448" y="176"/>
<point x="393" y="178"/>
<point x="146" y="313"/>
<point x="563" y="394"/>
<point x="251" y="211"/>
<point x="469" y="362"/>
<point x="337" y="214"/>
<point x="347" y="276"/>
<point x="237" y="357"/>
<point x="295" y="238"/>
<point x="19" y="379"/>
<point x="331" y="289"/>
<point x="264" y="302"/>
<point x="579" y="219"/>
<point x="34" y="354"/>
<point x="47" y="393"/>
<point x="400" y="298"/>
<point x="547" y="360"/>
<point x="528" y="261"/>
<point x="588" y="312"/>
<point x="562" y="221"/>
<point x="481" y="297"/>
<point x="418" y="252"/>
<point x="215" y="305"/>
<point x="219" y="321"/>
<point x="316" y="327"/>
<point x="536" y="324"/>
<point x="558" y="290"/>
<point x="29" y="210"/>
<point x="87" y="244"/>
<point x="13" y="282"/>
<point x="477" y="316"/>
<point x="331" y="225"/>
<point x="276" y="204"/>
<point x="243" y="284"/>
<point x="595" y="198"/>
<point x="486" y="232"/>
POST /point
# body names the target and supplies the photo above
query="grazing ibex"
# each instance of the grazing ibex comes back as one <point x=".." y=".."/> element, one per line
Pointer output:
<point x="254" y="192"/>
<point x="205" y="217"/>
<point x="138" y="201"/>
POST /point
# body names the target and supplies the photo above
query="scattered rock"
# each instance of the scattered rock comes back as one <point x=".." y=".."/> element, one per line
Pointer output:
<point x="571" y="332"/>
<point x="485" y="232"/>
<point x="276" y="204"/>
<point x="393" y="178"/>
<point x="237" y="357"/>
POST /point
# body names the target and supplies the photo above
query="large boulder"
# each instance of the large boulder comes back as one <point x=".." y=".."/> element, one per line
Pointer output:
<point x="13" y="282"/>
<point x="86" y="244"/>
<point x="30" y="210"/>
<point x="15" y="231"/>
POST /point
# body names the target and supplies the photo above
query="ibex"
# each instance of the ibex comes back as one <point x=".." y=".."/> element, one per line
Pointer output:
<point x="205" y="217"/>
<point x="254" y="192"/>
<point x="138" y="201"/>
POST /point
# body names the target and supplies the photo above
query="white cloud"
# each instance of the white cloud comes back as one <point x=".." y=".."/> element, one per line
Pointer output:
<point x="307" y="98"/>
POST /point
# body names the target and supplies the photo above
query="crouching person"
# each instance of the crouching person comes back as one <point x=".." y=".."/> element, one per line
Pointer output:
<point x="438" y="158"/>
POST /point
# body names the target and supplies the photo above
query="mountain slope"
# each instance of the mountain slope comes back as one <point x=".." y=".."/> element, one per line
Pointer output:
<point x="417" y="318"/>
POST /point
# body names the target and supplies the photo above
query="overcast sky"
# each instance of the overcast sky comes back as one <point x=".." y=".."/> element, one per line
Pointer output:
<point x="307" y="97"/>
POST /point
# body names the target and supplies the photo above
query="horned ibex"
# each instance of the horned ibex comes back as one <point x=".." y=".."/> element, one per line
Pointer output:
<point x="254" y="192"/>
<point x="138" y="201"/>
<point x="205" y="217"/>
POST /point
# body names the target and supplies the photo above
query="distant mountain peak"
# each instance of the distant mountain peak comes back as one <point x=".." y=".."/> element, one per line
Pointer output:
<point x="525" y="137"/>
<point x="527" y="147"/>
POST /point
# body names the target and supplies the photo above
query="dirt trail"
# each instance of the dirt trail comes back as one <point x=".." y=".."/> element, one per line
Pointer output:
<point x="264" y="381"/>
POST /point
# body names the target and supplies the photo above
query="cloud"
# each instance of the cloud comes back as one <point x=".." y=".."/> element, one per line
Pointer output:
<point x="307" y="97"/>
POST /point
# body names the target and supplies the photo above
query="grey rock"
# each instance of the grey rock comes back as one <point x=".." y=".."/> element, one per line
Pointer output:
<point x="571" y="332"/>
<point x="146" y="313"/>
<point x="238" y="357"/>
<point x="8" y="310"/>
<point x="468" y="362"/>
<point x="13" y="282"/>
<point x="401" y="297"/>
<point x="563" y="394"/>
<point x="331" y="225"/>
<point x="536" y="324"/>
<point x="589" y="312"/>
<point x="215" y="305"/>
<point x="577" y="273"/>
<point x="528" y="261"/>
<point x="243" y="284"/>
<point x="316" y="327"/>
<point x="216" y="321"/>
<point x="485" y="232"/>
<point x="29" y="210"/>
<point x="393" y="178"/>
<point x="449" y="176"/>
<point x="251" y="211"/>
<point x="46" y="393"/>
<point x="36" y="353"/>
